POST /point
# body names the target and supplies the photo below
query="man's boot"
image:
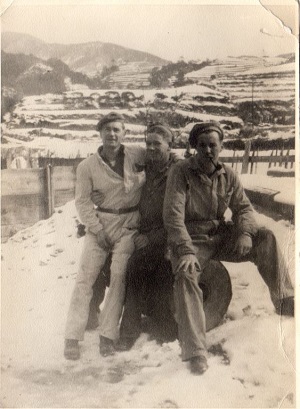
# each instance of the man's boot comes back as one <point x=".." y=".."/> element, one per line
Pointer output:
<point x="71" y="350"/>
<point x="106" y="346"/>
<point x="125" y="344"/>
<point x="198" y="364"/>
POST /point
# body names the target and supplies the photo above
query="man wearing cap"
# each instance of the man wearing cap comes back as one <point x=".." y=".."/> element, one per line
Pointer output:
<point x="148" y="271"/>
<point x="199" y="191"/>
<point x="108" y="190"/>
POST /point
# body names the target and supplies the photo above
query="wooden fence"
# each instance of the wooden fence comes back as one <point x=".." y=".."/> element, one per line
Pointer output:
<point x="29" y="195"/>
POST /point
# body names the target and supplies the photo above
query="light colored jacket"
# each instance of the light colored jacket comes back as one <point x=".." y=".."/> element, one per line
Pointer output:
<point x="113" y="191"/>
<point x="193" y="198"/>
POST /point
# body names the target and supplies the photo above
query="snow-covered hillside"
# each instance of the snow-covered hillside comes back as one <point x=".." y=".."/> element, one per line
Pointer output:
<point x="251" y="359"/>
<point x="44" y="121"/>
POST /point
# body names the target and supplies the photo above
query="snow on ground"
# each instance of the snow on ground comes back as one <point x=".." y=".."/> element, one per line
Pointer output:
<point x="39" y="107"/>
<point x="290" y="67"/>
<point x="149" y="94"/>
<point x="209" y="117"/>
<point x="284" y="186"/>
<point x="252" y="363"/>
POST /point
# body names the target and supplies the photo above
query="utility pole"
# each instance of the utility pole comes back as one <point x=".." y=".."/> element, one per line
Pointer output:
<point x="252" y="103"/>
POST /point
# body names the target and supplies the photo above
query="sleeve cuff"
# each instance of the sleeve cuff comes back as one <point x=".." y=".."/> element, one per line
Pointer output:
<point x="182" y="250"/>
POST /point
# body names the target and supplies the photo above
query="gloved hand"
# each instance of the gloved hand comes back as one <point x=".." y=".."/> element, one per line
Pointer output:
<point x="141" y="241"/>
<point x="243" y="245"/>
<point x="187" y="264"/>
<point x="103" y="240"/>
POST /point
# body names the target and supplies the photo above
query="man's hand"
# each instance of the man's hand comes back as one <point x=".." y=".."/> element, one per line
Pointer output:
<point x="103" y="240"/>
<point x="187" y="264"/>
<point x="243" y="245"/>
<point x="141" y="241"/>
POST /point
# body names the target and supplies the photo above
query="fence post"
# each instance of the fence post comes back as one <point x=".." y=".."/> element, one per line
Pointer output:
<point x="251" y="160"/>
<point x="281" y="157"/>
<point x="49" y="191"/>
<point x="246" y="157"/>
<point x="286" y="159"/>
<point x="233" y="158"/>
<point x="256" y="162"/>
<point x="270" y="160"/>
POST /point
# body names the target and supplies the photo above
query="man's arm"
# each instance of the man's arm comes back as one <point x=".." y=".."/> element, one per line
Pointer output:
<point x="83" y="201"/>
<point x="242" y="210"/>
<point x="174" y="212"/>
<point x="243" y="217"/>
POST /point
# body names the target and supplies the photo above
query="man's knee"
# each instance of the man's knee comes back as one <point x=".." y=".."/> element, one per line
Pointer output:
<point x="264" y="238"/>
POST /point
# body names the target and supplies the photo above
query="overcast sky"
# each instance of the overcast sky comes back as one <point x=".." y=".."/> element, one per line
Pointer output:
<point x="194" y="31"/>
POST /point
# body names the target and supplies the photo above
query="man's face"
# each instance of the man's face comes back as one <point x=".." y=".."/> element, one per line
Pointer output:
<point x="112" y="134"/>
<point x="157" y="148"/>
<point x="208" y="147"/>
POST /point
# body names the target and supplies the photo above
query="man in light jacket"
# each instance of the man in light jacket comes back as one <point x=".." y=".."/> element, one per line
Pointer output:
<point x="199" y="191"/>
<point x="108" y="190"/>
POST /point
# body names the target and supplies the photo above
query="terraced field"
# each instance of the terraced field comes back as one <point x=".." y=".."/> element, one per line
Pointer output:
<point x="233" y="92"/>
<point x="64" y="125"/>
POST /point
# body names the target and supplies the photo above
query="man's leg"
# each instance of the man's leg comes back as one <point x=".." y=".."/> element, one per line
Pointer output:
<point x="189" y="314"/>
<point x="92" y="261"/>
<point x="112" y="311"/>
<point x="136" y="277"/>
<point x="99" y="288"/>
<point x="268" y="258"/>
<point x="162" y="300"/>
<point x="271" y="265"/>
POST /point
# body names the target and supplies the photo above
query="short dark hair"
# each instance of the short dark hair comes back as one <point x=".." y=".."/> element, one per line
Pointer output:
<point x="111" y="117"/>
<point x="204" y="127"/>
<point x="161" y="129"/>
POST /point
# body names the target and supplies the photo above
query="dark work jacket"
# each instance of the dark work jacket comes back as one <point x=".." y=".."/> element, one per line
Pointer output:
<point x="151" y="203"/>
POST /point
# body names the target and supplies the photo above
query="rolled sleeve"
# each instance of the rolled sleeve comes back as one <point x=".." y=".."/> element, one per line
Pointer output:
<point x="174" y="212"/>
<point x="83" y="201"/>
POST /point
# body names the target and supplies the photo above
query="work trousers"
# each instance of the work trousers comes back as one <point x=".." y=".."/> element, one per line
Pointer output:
<point x="92" y="261"/>
<point x="188" y="297"/>
<point x="149" y="284"/>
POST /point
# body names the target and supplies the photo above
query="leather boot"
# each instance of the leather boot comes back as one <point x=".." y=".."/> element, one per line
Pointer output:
<point x="198" y="364"/>
<point x="71" y="350"/>
<point x="106" y="346"/>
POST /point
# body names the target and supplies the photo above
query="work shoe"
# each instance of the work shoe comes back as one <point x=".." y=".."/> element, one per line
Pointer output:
<point x="72" y="349"/>
<point x="198" y="364"/>
<point x="286" y="306"/>
<point x="106" y="346"/>
<point x="125" y="344"/>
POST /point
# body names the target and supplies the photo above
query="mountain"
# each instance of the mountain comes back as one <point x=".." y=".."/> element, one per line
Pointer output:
<point x="89" y="58"/>
<point x="30" y="75"/>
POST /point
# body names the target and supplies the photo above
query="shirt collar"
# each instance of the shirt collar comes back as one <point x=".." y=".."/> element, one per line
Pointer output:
<point x="120" y="152"/>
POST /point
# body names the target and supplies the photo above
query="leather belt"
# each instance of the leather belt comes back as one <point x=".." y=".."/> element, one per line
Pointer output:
<point x="118" y="211"/>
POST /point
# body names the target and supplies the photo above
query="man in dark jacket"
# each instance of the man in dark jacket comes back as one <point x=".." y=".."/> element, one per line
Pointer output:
<point x="149" y="276"/>
<point x="199" y="191"/>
